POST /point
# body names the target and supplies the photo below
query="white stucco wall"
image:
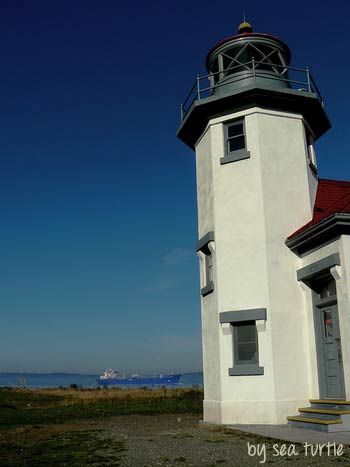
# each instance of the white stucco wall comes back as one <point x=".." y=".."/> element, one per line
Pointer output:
<point x="287" y="206"/>
<point x="252" y="205"/>
<point x="205" y="195"/>
<point x="210" y="331"/>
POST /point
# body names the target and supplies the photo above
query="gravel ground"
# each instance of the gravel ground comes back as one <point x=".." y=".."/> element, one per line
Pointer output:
<point x="175" y="441"/>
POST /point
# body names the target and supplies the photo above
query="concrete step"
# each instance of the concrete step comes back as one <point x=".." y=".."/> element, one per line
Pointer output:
<point x="330" y="411"/>
<point x="319" y="415"/>
<point x="328" y="415"/>
<point x="330" y="404"/>
<point x="312" y="423"/>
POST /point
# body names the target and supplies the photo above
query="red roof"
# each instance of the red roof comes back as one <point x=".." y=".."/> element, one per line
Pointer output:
<point x="333" y="196"/>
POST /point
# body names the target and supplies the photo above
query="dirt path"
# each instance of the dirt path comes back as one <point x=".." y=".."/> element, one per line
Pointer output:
<point x="146" y="441"/>
<point x="173" y="441"/>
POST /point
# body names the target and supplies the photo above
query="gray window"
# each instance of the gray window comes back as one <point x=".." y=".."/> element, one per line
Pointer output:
<point x="245" y="349"/>
<point x="311" y="156"/>
<point x="235" y="142"/>
<point x="203" y="246"/>
<point x="235" y="139"/>
<point x="245" y="340"/>
<point x="208" y="264"/>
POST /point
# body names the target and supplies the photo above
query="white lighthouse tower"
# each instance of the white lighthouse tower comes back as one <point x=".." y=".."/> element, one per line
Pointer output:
<point x="252" y="122"/>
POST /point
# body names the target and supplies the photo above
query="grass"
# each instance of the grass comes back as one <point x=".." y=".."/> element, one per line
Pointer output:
<point x="73" y="448"/>
<point x="38" y="428"/>
<point x="53" y="406"/>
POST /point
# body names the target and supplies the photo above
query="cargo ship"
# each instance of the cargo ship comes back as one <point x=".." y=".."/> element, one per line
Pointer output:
<point x="112" y="377"/>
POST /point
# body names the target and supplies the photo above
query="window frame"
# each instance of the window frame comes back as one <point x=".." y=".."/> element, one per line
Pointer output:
<point x="208" y="269"/>
<point x="244" y="367"/>
<point x="235" y="319"/>
<point x="238" y="154"/>
<point x="310" y="150"/>
<point x="236" y="343"/>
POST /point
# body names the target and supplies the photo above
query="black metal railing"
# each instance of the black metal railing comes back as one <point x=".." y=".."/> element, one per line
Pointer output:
<point x="296" y="78"/>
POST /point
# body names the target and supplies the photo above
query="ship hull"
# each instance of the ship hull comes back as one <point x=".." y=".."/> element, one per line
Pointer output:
<point x="150" y="381"/>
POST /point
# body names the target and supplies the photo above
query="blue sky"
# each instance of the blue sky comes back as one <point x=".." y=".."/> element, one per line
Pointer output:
<point x="97" y="196"/>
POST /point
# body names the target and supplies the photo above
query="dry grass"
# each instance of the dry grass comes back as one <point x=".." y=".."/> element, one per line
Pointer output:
<point x="52" y="406"/>
<point x="71" y="395"/>
<point x="56" y="427"/>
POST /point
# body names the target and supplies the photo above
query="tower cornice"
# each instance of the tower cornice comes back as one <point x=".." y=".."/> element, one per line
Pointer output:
<point x="288" y="100"/>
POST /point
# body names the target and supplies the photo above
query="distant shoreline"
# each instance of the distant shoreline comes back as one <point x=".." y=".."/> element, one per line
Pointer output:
<point x="57" y="380"/>
<point x="16" y="373"/>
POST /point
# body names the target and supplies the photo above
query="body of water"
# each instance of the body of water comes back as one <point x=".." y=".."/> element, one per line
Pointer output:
<point x="55" y="380"/>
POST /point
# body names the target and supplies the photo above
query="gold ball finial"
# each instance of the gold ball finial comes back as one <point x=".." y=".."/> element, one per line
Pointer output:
<point x="245" y="27"/>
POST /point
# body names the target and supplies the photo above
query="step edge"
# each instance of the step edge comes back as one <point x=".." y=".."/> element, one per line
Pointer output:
<point x="329" y="401"/>
<point x="313" y="420"/>
<point x="325" y="411"/>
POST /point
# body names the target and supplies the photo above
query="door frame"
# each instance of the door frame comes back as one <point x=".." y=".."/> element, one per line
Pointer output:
<point x="308" y="274"/>
<point x="318" y="306"/>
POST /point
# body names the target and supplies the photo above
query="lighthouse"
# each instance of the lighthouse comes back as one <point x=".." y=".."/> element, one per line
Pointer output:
<point x="273" y="240"/>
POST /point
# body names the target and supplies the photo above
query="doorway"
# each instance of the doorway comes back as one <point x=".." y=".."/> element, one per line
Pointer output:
<point x="328" y="338"/>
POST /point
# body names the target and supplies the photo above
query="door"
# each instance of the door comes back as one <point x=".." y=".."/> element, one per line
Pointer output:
<point x="328" y="340"/>
<point x="332" y="355"/>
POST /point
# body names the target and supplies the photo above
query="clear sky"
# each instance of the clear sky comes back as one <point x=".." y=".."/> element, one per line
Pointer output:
<point x="97" y="196"/>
